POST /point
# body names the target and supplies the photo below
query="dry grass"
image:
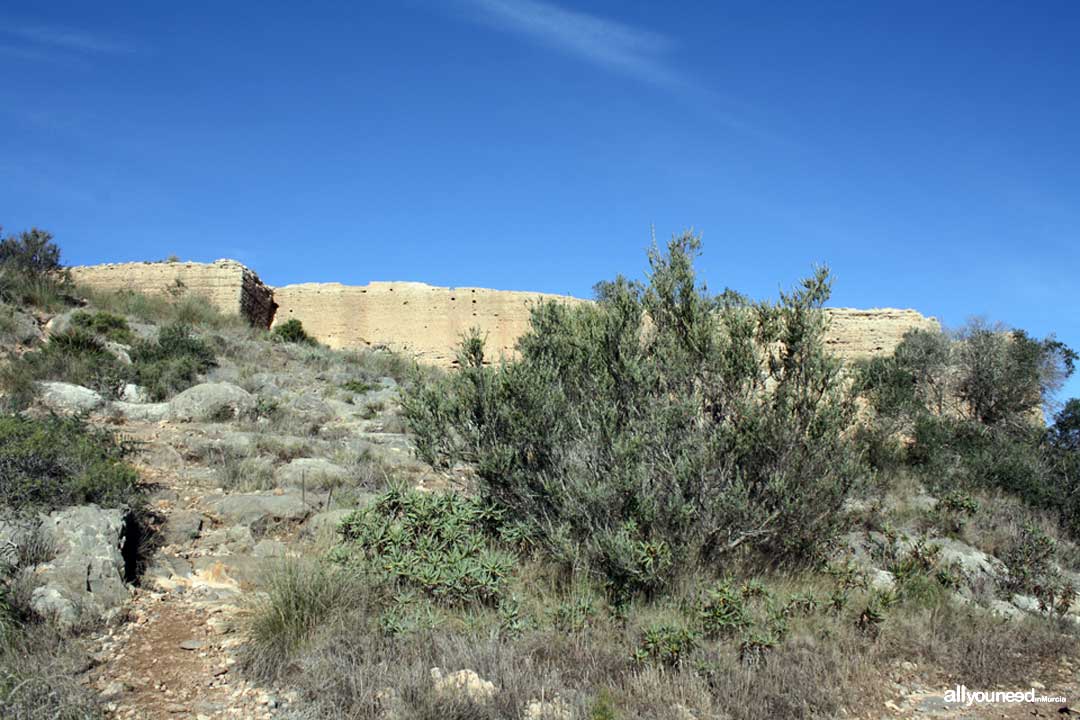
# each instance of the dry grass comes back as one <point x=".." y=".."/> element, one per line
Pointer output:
<point x="566" y="641"/>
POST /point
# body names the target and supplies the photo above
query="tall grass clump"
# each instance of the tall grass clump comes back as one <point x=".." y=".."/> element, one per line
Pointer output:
<point x="659" y="427"/>
<point x="300" y="596"/>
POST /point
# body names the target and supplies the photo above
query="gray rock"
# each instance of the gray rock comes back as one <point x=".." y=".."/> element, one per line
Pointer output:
<point x="60" y="323"/>
<point x="315" y="472"/>
<point x="167" y="567"/>
<point x="133" y="393"/>
<point x="210" y="402"/>
<point x="145" y="331"/>
<point x="882" y="580"/>
<point x="1026" y="603"/>
<point x="182" y="527"/>
<point x="260" y="510"/>
<point x="1005" y="609"/>
<point x="312" y="409"/>
<point x="233" y="539"/>
<point x="23" y="328"/>
<point x="150" y="412"/>
<point x="325" y="523"/>
<point x="975" y="564"/>
<point x="269" y="549"/>
<point x="85" y="579"/>
<point x="118" y="351"/>
<point x="67" y="399"/>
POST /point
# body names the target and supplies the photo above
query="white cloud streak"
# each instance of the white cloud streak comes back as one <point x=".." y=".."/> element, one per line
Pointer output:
<point x="60" y="38"/>
<point x="606" y="43"/>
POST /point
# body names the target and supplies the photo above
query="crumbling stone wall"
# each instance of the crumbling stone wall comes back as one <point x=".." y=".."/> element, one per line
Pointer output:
<point x="226" y="284"/>
<point x="421" y="320"/>
<point x="857" y="334"/>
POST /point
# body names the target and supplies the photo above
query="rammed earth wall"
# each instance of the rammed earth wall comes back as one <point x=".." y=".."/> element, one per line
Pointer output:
<point x="422" y="320"/>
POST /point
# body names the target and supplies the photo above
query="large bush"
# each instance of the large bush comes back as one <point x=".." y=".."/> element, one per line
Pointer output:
<point x="659" y="426"/>
<point x="171" y="363"/>
<point x="970" y="408"/>
<point x="55" y="462"/>
<point x="30" y="270"/>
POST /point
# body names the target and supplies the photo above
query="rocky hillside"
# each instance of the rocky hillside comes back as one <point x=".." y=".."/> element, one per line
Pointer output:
<point x="204" y="519"/>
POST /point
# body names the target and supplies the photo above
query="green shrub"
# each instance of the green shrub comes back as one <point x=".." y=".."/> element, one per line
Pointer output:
<point x="658" y="426"/>
<point x="171" y="363"/>
<point x="30" y="270"/>
<point x="292" y="331"/>
<point x="74" y="357"/>
<point x="439" y="544"/>
<point x="55" y="462"/>
<point x="666" y="645"/>
<point x="359" y="387"/>
<point x="105" y="325"/>
<point x="723" y="612"/>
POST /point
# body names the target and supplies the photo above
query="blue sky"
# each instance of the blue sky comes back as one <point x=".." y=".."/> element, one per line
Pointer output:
<point x="927" y="151"/>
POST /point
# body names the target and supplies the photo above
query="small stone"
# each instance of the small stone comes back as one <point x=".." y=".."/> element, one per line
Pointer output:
<point x="192" y="645"/>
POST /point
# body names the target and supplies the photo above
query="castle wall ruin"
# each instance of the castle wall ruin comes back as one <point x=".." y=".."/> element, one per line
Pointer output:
<point x="418" y="319"/>
<point x="226" y="284"/>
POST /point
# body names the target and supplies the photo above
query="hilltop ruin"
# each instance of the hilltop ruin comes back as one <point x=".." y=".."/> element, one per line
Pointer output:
<point x="415" y="318"/>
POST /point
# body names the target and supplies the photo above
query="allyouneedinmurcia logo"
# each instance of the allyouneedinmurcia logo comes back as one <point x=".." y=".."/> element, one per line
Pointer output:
<point x="960" y="695"/>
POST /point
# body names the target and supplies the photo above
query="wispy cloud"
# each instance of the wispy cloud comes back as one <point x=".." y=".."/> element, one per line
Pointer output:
<point x="608" y="43"/>
<point x="50" y="37"/>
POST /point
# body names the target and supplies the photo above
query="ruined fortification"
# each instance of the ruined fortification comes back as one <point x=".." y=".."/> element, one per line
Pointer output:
<point x="226" y="284"/>
<point x="421" y="320"/>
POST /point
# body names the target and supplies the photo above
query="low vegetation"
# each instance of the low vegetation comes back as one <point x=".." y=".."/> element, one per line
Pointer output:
<point x="83" y="355"/>
<point x="292" y="331"/>
<point x="56" y="462"/>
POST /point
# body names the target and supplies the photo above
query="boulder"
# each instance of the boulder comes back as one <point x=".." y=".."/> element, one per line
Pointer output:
<point x="150" y="412"/>
<point x="67" y="399"/>
<point x="314" y="472"/>
<point x="61" y="323"/>
<point x="133" y="393"/>
<point x="210" y="402"/>
<point x="22" y="327"/>
<point x="326" y="523"/>
<point x="85" y="578"/>
<point x="310" y="408"/>
<point x="118" y="351"/>
<point x="975" y="564"/>
<point x="260" y="510"/>
<point x="182" y="527"/>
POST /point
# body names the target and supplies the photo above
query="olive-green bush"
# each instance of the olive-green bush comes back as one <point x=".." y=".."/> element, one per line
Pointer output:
<point x="55" y="462"/>
<point x="660" y="426"/>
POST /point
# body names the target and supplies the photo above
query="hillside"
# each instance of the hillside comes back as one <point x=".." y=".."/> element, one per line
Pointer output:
<point x="227" y="509"/>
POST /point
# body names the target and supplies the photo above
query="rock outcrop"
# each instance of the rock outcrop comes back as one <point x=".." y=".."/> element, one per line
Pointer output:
<point x="85" y="579"/>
